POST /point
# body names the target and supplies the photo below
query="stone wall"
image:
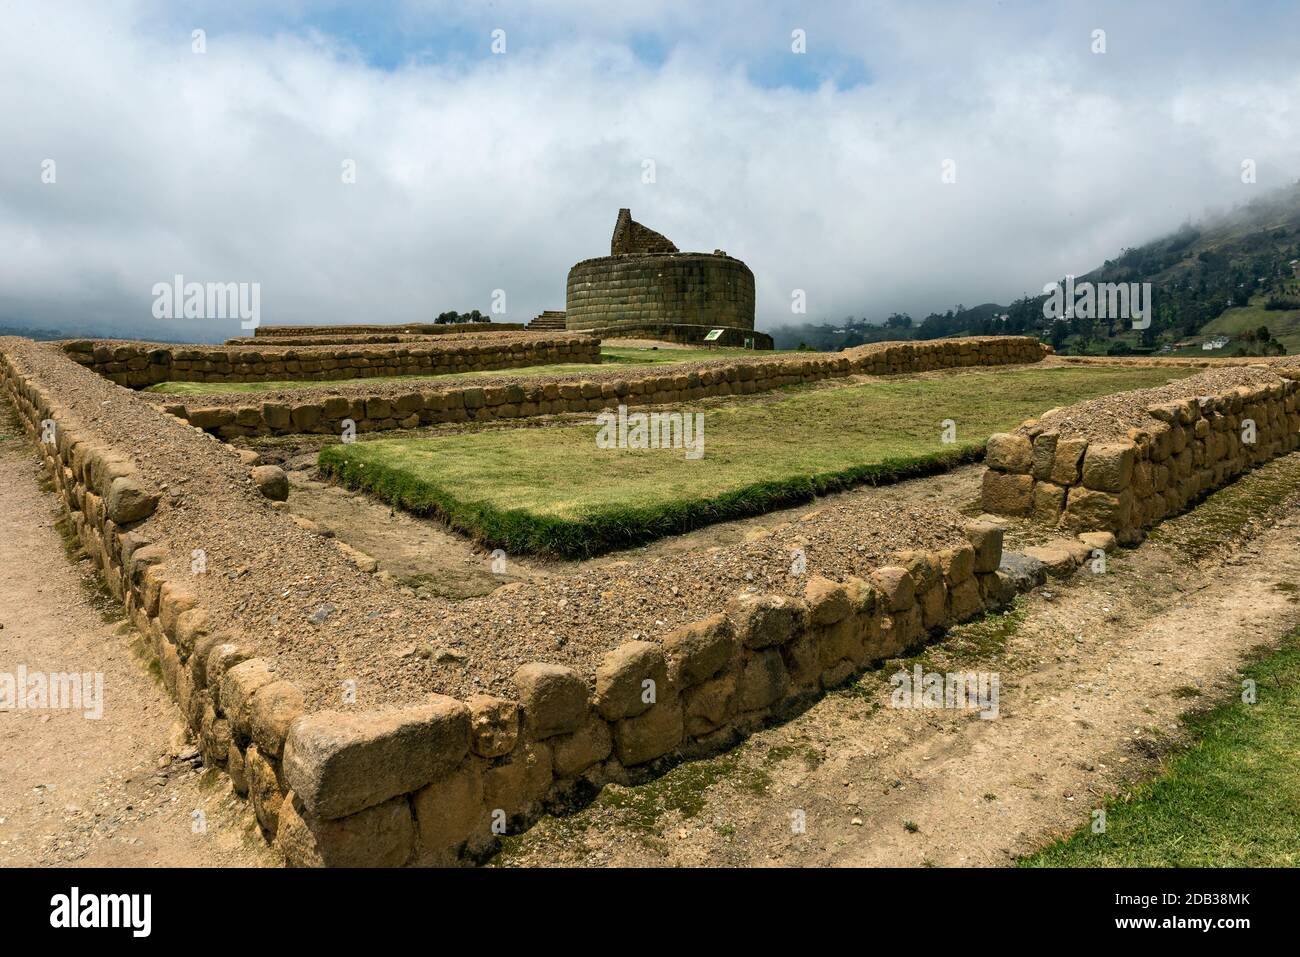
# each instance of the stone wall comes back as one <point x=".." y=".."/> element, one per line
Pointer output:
<point x="142" y="364"/>
<point x="430" y="783"/>
<point x="409" y="328"/>
<point x="687" y="335"/>
<point x="431" y="404"/>
<point x="1125" y="483"/>
<point x="237" y="708"/>
<point x="697" y="289"/>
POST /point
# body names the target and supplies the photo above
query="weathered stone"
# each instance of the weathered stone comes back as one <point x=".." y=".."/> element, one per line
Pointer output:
<point x="128" y="501"/>
<point x="1022" y="572"/>
<point x="965" y="600"/>
<point x="1008" y="452"/>
<point x="828" y="601"/>
<point x="574" y="753"/>
<point x="494" y="725"/>
<point x="1103" y="540"/>
<point x="763" y="681"/>
<point x="554" y="698"/>
<point x="235" y="769"/>
<point x="958" y="564"/>
<point x="896" y="587"/>
<point x="1089" y="510"/>
<point x="630" y="679"/>
<point x="340" y="763"/>
<point x="1077" y="549"/>
<point x="1007" y="493"/>
<point x="379" y="836"/>
<point x="934" y="606"/>
<point x="238" y="685"/>
<point x="516" y="784"/>
<point x="652" y="734"/>
<point x="1044" y="455"/>
<point x="1049" y="501"/>
<point x="1108" y="467"/>
<point x="761" y="621"/>
<point x="215" y="738"/>
<point x="174" y="598"/>
<point x="698" y="651"/>
<point x="271" y="482"/>
<point x="191" y="625"/>
<point x="708" y="705"/>
<point x="1065" y="466"/>
<point x="986" y="539"/>
<point x="1058" y="561"/>
<point x="272" y="711"/>
<point x="449" y="811"/>
<point x="222" y="657"/>
<point x="263" y="789"/>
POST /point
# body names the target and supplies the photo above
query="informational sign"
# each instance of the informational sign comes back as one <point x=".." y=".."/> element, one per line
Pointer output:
<point x="714" y="335"/>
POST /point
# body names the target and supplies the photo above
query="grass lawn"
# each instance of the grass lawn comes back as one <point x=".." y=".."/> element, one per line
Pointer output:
<point x="1230" y="800"/>
<point x="1282" y="324"/>
<point x="550" y="489"/>
<point x="608" y="356"/>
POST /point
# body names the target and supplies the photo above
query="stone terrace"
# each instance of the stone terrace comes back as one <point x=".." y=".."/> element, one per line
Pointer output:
<point x="267" y="576"/>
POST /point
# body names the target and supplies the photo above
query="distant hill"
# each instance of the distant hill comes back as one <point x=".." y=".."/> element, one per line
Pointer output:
<point x="1230" y="276"/>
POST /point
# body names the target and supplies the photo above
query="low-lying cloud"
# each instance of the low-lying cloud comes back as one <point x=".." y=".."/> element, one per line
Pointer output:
<point x="476" y="172"/>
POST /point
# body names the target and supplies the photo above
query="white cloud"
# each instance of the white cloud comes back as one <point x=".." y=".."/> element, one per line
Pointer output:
<point x="500" y="172"/>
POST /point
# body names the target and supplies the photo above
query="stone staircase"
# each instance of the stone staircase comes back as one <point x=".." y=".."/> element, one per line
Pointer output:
<point x="549" y="321"/>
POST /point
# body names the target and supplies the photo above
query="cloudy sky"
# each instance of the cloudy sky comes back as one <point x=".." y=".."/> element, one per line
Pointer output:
<point x="479" y="170"/>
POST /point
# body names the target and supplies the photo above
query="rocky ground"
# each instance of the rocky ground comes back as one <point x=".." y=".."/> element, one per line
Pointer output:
<point x="1094" y="674"/>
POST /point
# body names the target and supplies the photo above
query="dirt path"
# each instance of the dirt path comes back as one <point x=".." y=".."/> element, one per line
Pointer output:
<point x="1093" y="675"/>
<point x="117" y="791"/>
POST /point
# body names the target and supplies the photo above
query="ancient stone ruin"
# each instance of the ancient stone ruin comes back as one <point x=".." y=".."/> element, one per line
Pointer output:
<point x="648" y="288"/>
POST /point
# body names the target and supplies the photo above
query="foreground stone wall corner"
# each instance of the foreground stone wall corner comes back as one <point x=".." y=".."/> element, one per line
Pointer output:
<point x="436" y="783"/>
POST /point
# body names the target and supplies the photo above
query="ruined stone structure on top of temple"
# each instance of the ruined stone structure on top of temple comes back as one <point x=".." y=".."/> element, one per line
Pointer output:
<point x="632" y="239"/>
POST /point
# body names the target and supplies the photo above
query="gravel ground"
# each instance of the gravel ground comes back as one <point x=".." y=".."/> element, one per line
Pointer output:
<point x="1111" y="416"/>
<point x="267" y="577"/>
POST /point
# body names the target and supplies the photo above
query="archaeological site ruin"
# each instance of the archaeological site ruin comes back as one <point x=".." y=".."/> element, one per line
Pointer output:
<point x="371" y="725"/>
<point x="647" y="287"/>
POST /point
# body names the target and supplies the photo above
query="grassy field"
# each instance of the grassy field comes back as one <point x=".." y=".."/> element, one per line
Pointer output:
<point x="617" y="355"/>
<point x="1232" y="799"/>
<point x="1282" y="324"/>
<point x="552" y="490"/>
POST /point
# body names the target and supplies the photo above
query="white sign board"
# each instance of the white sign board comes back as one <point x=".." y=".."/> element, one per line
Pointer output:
<point x="714" y="335"/>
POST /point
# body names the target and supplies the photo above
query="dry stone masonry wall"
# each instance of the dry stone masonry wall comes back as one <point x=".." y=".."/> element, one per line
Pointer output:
<point x="429" y="783"/>
<point x="398" y="406"/>
<point x="1124" y="463"/>
<point x="237" y="707"/>
<point x="262" y="333"/>
<point x="433" y="781"/>
<point x="696" y="289"/>
<point x="139" y="365"/>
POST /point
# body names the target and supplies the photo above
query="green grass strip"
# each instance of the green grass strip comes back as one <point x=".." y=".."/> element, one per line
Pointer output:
<point x="1232" y="799"/>
<point x="606" y="528"/>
